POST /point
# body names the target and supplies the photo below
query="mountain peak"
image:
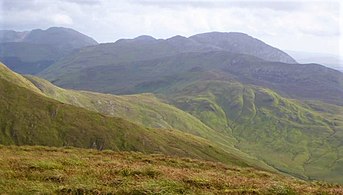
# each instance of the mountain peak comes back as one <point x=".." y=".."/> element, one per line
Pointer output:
<point x="218" y="33"/>
<point x="65" y="37"/>
<point x="177" y="37"/>
<point x="60" y="37"/>
<point x="144" y="38"/>
<point x="59" y="28"/>
<point x="238" y="42"/>
<point x="12" y="36"/>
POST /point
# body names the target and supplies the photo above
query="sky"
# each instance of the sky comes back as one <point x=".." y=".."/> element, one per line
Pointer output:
<point x="303" y="25"/>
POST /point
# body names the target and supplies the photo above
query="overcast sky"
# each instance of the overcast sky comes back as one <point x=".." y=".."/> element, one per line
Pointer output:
<point x="303" y="25"/>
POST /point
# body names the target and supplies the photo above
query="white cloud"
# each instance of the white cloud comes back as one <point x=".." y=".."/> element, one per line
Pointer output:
<point x="295" y="25"/>
<point x="61" y="19"/>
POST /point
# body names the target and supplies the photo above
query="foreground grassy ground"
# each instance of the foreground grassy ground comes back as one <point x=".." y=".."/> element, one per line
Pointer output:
<point x="35" y="169"/>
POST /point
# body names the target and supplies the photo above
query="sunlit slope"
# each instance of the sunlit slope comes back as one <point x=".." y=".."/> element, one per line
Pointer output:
<point x="146" y="110"/>
<point x="292" y="136"/>
<point x="28" y="118"/>
<point x="8" y="75"/>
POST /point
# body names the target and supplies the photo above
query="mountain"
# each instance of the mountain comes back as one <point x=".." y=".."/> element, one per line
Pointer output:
<point x="12" y="36"/>
<point x="264" y="113"/>
<point x="59" y="37"/>
<point x="29" y="118"/>
<point x="302" y="139"/>
<point x="252" y="119"/>
<point x="28" y="58"/>
<point x="93" y="71"/>
<point x="236" y="42"/>
<point x="50" y="170"/>
<point x="32" y="51"/>
<point x="148" y="48"/>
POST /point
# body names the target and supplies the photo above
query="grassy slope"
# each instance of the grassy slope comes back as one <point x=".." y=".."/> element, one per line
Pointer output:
<point x="29" y="118"/>
<point x="8" y="75"/>
<point x="254" y="119"/>
<point x="144" y="109"/>
<point x="79" y="171"/>
<point x="147" y="110"/>
<point x="287" y="134"/>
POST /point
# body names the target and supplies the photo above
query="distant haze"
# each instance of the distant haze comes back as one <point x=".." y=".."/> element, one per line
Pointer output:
<point x="311" y="26"/>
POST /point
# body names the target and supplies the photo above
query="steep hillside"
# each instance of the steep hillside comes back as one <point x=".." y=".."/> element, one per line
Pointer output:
<point x="146" y="110"/>
<point x="32" y="51"/>
<point x="47" y="170"/>
<point x="28" y="118"/>
<point x="12" y="77"/>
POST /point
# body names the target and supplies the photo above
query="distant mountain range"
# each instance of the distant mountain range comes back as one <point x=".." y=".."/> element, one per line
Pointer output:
<point x="30" y="52"/>
<point x="145" y="64"/>
<point x="218" y="96"/>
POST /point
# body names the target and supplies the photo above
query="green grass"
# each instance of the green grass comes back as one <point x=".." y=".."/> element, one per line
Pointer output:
<point x="250" y="124"/>
<point x="49" y="170"/>
<point x="147" y="110"/>
<point x="289" y="135"/>
<point x="144" y="109"/>
<point x="29" y="118"/>
<point x="19" y="80"/>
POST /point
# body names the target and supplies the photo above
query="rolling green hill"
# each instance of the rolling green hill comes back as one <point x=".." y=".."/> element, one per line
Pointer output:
<point x="303" y="139"/>
<point x="295" y="137"/>
<point x="49" y="170"/>
<point x="146" y="110"/>
<point x="29" y="118"/>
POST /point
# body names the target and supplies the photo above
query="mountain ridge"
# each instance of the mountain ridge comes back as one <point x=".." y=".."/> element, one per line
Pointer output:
<point x="237" y="42"/>
<point x="109" y="74"/>
<point x="30" y="52"/>
<point x="50" y="36"/>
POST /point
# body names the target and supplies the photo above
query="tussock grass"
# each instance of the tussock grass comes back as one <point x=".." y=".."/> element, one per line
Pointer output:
<point x="32" y="169"/>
